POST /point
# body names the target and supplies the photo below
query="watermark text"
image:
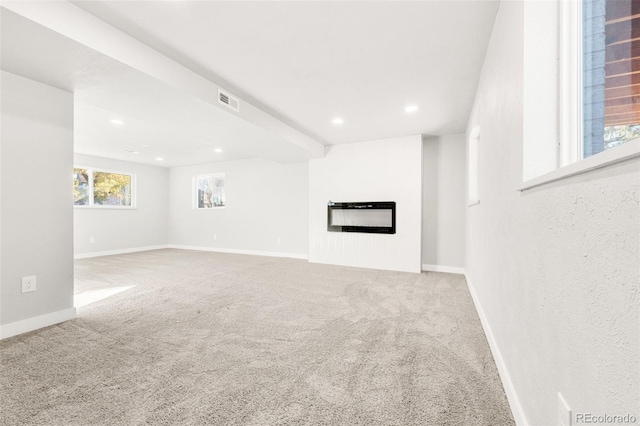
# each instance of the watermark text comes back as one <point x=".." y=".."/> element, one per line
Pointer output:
<point x="588" y="418"/>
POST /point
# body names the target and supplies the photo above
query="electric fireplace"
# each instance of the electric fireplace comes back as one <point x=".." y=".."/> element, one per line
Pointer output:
<point x="377" y="217"/>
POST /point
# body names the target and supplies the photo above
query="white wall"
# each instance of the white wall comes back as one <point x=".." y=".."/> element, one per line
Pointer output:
<point x="383" y="170"/>
<point x="266" y="212"/>
<point x="123" y="229"/>
<point x="554" y="269"/>
<point x="444" y="203"/>
<point x="36" y="215"/>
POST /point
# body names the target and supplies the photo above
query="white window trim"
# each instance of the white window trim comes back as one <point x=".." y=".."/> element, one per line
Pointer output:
<point x="473" y="194"/>
<point x="570" y="84"/>
<point x="570" y="114"/>
<point x="194" y="192"/>
<point x="618" y="154"/>
<point x="134" y="197"/>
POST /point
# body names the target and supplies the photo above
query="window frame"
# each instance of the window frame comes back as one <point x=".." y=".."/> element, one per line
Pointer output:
<point x="194" y="191"/>
<point x="473" y="161"/>
<point x="570" y="58"/>
<point x="91" y="205"/>
<point x="571" y="160"/>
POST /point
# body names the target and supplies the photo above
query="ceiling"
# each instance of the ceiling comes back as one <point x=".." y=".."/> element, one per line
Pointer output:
<point x="159" y="121"/>
<point x="304" y="63"/>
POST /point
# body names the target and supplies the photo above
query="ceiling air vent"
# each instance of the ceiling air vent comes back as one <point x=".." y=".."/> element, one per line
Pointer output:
<point x="228" y="100"/>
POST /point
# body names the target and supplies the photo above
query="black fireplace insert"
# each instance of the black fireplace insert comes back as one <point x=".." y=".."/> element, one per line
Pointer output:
<point x="373" y="217"/>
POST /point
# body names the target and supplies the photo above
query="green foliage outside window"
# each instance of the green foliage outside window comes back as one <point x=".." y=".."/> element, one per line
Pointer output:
<point x="108" y="189"/>
<point x="617" y="135"/>
<point x="80" y="187"/>
<point x="111" y="189"/>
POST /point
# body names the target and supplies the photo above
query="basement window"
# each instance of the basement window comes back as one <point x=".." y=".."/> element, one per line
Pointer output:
<point x="611" y="74"/>
<point x="102" y="188"/>
<point x="598" y="87"/>
<point x="209" y="191"/>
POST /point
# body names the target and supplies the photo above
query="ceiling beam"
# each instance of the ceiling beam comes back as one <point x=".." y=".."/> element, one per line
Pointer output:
<point x="72" y="22"/>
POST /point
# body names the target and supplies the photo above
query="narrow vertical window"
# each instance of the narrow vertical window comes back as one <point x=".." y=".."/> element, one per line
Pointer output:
<point x="474" y="140"/>
<point x="80" y="187"/>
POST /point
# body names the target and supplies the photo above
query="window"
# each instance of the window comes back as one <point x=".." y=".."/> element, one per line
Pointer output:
<point x="611" y="73"/>
<point x="472" y="167"/>
<point x="101" y="188"/>
<point x="581" y="92"/>
<point x="80" y="187"/>
<point x="611" y="97"/>
<point x="209" y="191"/>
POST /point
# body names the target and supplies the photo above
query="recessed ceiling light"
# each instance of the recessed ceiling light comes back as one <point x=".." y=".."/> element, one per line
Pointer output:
<point x="159" y="158"/>
<point x="411" y="108"/>
<point x="145" y="146"/>
<point x="116" y="121"/>
<point x="217" y="150"/>
<point x="131" y="152"/>
<point x="338" y="120"/>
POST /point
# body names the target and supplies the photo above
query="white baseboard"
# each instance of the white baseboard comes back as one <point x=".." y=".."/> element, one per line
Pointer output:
<point x="505" y="377"/>
<point x="441" y="268"/>
<point x="30" y="324"/>
<point x="237" y="251"/>
<point x="121" y="251"/>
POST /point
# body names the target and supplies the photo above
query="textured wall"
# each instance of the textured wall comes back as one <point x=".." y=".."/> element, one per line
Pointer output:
<point x="117" y="229"/>
<point x="37" y="202"/>
<point x="383" y="170"/>
<point x="444" y="201"/>
<point x="267" y="208"/>
<point x="555" y="268"/>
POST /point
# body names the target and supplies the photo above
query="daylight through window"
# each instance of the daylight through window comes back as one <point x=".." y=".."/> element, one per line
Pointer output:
<point x="92" y="187"/>
<point x="209" y="191"/>
<point x="611" y="73"/>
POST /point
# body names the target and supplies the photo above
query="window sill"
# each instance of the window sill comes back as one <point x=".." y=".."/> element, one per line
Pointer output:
<point x="615" y="155"/>
<point x="105" y="207"/>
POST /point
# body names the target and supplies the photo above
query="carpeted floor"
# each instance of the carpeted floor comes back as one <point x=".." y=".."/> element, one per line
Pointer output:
<point x="196" y="338"/>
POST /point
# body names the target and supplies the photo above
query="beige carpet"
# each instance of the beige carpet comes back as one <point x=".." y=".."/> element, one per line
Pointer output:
<point x="221" y="339"/>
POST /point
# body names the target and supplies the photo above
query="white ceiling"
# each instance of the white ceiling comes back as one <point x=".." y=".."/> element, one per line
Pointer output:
<point x="160" y="121"/>
<point x="302" y="62"/>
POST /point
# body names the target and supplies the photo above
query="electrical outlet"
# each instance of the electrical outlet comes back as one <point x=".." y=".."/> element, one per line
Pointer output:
<point x="92" y="240"/>
<point x="215" y="236"/>
<point x="564" y="412"/>
<point x="28" y="284"/>
<point x="279" y="240"/>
